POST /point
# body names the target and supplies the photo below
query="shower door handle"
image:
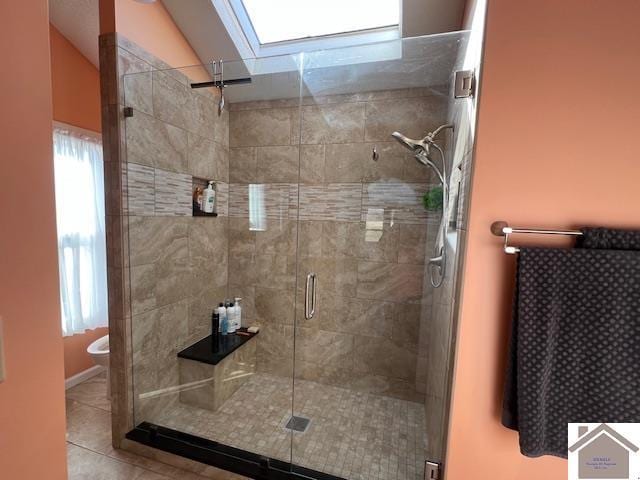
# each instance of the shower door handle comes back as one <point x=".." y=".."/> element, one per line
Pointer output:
<point x="310" y="296"/>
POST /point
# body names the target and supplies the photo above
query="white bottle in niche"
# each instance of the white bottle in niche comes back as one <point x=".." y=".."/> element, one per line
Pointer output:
<point x="224" y="322"/>
<point x="238" y="313"/>
<point x="231" y="317"/>
<point x="208" y="199"/>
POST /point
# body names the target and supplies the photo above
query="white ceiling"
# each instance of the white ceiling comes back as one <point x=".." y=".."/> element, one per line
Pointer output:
<point x="427" y="17"/>
<point x="203" y="29"/>
<point x="78" y="21"/>
<point x="198" y="20"/>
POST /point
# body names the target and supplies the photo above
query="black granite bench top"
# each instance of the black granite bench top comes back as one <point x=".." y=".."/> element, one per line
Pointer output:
<point x="206" y="352"/>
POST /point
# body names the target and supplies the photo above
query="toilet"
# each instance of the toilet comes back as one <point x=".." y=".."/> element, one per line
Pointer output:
<point x="99" y="351"/>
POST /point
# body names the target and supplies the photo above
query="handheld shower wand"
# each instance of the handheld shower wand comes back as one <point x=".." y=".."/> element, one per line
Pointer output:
<point x="422" y="152"/>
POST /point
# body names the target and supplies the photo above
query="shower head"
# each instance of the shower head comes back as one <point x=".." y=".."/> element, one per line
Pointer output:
<point x="421" y="148"/>
<point x="417" y="146"/>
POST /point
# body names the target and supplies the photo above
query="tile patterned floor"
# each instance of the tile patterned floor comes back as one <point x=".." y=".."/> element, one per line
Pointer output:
<point x="352" y="435"/>
<point x="90" y="455"/>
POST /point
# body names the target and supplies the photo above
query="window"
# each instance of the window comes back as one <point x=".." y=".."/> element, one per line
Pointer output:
<point x="262" y="28"/>
<point x="79" y="186"/>
<point x="281" y="20"/>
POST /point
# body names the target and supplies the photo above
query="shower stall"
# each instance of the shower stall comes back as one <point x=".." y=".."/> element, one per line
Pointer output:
<point x="343" y="248"/>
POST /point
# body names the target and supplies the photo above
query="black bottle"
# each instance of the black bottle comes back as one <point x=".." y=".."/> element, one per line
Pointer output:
<point x="215" y="328"/>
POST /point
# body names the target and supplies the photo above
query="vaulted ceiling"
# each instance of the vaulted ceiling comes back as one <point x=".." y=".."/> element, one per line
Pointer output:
<point x="78" y="21"/>
<point x="199" y="22"/>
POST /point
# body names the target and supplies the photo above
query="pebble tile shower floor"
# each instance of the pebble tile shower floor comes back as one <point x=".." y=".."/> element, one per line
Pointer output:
<point x="352" y="435"/>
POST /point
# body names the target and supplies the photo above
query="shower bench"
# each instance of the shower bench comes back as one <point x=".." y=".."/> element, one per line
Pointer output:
<point x="210" y="374"/>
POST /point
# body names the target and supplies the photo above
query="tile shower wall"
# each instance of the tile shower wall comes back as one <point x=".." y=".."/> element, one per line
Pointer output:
<point x="177" y="263"/>
<point x="362" y="229"/>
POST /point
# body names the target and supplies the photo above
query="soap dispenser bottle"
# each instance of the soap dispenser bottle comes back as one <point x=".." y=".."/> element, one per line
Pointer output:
<point x="208" y="199"/>
<point x="238" y="313"/>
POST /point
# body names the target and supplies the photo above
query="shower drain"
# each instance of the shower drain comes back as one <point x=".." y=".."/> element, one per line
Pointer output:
<point x="298" y="424"/>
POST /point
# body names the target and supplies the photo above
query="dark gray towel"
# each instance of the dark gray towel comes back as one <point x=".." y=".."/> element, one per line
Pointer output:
<point x="609" y="239"/>
<point x="575" y="344"/>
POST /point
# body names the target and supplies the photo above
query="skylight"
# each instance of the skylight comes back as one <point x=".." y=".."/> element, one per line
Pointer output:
<point x="267" y="28"/>
<point x="282" y="20"/>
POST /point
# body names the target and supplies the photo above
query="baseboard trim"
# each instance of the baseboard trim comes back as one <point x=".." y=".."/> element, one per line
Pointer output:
<point x="82" y="376"/>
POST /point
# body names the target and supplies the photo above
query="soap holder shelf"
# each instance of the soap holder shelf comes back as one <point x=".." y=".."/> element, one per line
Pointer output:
<point x="200" y="213"/>
<point x="206" y="351"/>
<point x="202" y="183"/>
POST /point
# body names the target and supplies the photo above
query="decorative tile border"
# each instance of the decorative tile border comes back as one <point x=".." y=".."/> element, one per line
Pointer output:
<point x="333" y="201"/>
<point x="313" y="203"/>
<point x="173" y="193"/>
<point x="345" y="200"/>
<point x="222" y="199"/>
<point x="342" y="202"/>
<point x="270" y="200"/>
<point x="156" y="192"/>
<point x="139" y="194"/>
<point x="401" y="202"/>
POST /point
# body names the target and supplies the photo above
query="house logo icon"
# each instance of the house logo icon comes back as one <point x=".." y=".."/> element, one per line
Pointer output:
<point x="602" y="453"/>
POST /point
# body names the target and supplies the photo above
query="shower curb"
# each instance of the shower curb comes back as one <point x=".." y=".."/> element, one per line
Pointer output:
<point x="222" y="456"/>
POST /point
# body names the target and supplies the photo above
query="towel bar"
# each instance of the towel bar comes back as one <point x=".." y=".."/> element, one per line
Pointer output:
<point x="502" y="229"/>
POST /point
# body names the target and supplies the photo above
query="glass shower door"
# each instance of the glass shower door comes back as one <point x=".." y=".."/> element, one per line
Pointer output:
<point x="323" y="227"/>
<point x="236" y="390"/>
<point x="361" y="395"/>
<point x="264" y="164"/>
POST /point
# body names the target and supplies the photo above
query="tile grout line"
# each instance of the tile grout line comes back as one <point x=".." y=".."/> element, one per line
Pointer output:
<point x="117" y="459"/>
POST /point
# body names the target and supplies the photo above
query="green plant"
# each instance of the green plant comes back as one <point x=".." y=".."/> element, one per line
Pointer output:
<point x="432" y="200"/>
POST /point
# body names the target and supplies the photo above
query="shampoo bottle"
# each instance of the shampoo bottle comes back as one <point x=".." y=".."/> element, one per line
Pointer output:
<point x="238" y="313"/>
<point x="208" y="199"/>
<point x="231" y="316"/>
<point x="222" y="313"/>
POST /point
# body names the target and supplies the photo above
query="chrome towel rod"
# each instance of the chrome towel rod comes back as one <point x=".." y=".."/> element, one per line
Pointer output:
<point x="502" y="229"/>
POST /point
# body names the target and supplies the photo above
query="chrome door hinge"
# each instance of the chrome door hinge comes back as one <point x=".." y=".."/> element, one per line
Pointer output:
<point x="464" y="84"/>
<point x="431" y="470"/>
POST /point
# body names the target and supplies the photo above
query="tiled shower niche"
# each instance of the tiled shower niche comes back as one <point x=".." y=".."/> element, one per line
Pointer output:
<point x="298" y="191"/>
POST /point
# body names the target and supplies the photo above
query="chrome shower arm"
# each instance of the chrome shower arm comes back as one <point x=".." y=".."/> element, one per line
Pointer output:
<point x="435" y="133"/>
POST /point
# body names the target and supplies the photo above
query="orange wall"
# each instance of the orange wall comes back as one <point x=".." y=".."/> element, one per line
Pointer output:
<point x="32" y="418"/>
<point x="76" y="85"/>
<point x="151" y="27"/>
<point x="557" y="147"/>
<point x="76" y="101"/>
